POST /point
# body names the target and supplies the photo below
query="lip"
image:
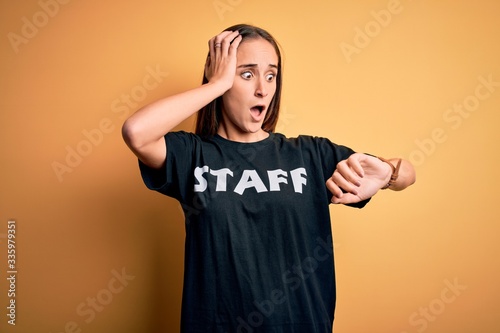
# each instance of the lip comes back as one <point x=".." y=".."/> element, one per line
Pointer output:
<point x="258" y="112"/>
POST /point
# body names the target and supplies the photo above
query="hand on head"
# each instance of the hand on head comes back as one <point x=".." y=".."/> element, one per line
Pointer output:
<point x="221" y="61"/>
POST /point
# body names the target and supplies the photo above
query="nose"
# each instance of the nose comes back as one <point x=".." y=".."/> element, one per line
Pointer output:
<point x="260" y="88"/>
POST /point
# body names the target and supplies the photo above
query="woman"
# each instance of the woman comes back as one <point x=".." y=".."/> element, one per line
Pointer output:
<point x="259" y="253"/>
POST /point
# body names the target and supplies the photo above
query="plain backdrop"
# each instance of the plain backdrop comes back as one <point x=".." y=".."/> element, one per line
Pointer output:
<point x="98" y="252"/>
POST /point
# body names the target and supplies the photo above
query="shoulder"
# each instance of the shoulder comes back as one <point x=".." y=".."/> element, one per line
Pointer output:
<point x="182" y="135"/>
<point x="187" y="138"/>
<point x="320" y="146"/>
<point x="303" y="140"/>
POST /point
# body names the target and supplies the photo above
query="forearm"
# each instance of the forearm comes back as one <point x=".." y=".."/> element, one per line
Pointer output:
<point x="150" y="123"/>
<point x="406" y="175"/>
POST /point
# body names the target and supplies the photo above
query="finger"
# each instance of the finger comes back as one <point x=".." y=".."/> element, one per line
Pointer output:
<point x="210" y="58"/>
<point x="216" y="41"/>
<point x="355" y="164"/>
<point x="345" y="199"/>
<point x="234" y="45"/>
<point x="334" y="189"/>
<point x="228" y="40"/>
<point x="211" y="43"/>
<point x="219" y="39"/>
<point x="345" y="169"/>
<point x="214" y="44"/>
<point x="343" y="183"/>
<point x="336" y="201"/>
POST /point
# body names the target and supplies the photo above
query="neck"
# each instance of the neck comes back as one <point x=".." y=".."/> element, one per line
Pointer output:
<point x="237" y="136"/>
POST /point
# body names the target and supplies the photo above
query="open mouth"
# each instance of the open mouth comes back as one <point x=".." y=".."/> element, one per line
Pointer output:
<point x="258" y="109"/>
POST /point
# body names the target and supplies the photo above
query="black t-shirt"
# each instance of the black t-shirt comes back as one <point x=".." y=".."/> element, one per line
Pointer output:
<point x="258" y="251"/>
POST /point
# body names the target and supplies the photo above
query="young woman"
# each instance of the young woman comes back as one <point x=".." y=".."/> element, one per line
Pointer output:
<point x="258" y="252"/>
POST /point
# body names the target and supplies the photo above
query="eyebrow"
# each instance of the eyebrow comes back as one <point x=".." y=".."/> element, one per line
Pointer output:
<point x="255" y="65"/>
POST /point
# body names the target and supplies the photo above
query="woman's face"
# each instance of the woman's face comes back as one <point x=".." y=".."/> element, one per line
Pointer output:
<point x="246" y="104"/>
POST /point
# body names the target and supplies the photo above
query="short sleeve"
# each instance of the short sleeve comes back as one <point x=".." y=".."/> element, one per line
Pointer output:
<point x="331" y="155"/>
<point x="172" y="179"/>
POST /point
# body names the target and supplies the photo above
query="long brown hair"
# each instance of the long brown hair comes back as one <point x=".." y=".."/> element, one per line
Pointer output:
<point x="209" y="117"/>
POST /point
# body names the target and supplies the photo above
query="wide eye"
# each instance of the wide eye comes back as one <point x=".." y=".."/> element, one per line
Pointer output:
<point x="270" y="77"/>
<point x="246" y="75"/>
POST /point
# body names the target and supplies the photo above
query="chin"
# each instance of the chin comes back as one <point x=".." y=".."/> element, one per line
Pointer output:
<point x="255" y="130"/>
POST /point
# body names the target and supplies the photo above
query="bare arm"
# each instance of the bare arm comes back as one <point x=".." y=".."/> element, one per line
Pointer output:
<point x="143" y="132"/>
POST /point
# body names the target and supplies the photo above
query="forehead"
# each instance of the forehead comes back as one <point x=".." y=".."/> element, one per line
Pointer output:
<point x="257" y="51"/>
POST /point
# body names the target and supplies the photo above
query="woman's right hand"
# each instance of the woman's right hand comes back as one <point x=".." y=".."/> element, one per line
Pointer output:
<point x="221" y="62"/>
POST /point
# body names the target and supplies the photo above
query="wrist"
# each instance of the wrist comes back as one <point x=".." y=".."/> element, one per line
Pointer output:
<point x="219" y="86"/>
<point x="394" y="173"/>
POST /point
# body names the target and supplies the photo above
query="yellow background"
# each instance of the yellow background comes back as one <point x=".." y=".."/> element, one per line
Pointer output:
<point x="391" y="97"/>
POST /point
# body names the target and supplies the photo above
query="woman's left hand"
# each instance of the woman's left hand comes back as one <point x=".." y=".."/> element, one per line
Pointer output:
<point x="358" y="178"/>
